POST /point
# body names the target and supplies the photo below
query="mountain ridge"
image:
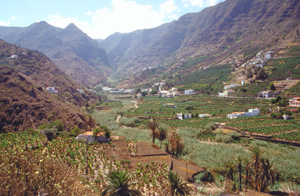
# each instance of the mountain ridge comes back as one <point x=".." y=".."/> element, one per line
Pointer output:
<point x="225" y="32"/>
<point x="70" y="49"/>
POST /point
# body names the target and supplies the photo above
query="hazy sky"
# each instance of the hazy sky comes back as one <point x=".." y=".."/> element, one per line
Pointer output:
<point x="98" y="18"/>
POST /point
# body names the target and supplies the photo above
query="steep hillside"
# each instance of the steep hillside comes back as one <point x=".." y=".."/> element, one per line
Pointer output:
<point x="70" y="49"/>
<point x="234" y="30"/>
<point x="24" y="102"/>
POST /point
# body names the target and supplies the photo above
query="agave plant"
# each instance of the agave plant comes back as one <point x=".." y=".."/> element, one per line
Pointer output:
<point x="119" y="185"/>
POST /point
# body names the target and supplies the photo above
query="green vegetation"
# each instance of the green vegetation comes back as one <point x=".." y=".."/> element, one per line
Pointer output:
<point x="209" y="79"/>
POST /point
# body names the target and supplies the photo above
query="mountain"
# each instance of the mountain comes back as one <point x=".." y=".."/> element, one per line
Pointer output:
<point x="233" y="30"/>
<point x="70" y="49"/>
<point x="24" y="101"/>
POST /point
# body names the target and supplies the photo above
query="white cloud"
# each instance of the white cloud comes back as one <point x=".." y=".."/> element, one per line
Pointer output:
<point x="13" y="18"/>
<point x="62" y="22"/>
<point x="89" y="13"/>
<point x="168" y="7"/>
<point x="2" y="23"/>
<point x="200" y="3"/>
<point x="124" y="16"/>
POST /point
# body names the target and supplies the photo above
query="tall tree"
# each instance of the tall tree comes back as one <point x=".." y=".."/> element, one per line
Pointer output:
<point x="177" y="145"/>
<point x="240" y="160"/>
<point x="119" y="185"/>
<point x="247" y="167"/>
<point x="176" y="185"/>
<point x="152" y="124"/>
<point x="257" y="153"/>
<point x="162" y="134"/>
<point x="267" y="175"/>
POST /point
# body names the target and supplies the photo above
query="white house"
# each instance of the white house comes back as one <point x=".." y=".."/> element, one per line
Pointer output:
<point x="189" y="92"/>
<point x="163" y="93"/>
<point x="179" y="116"/>
<point x="14" y="56"/>
<point x="204" y="115"/>
<point x="187" y="116"/>
<point x="139" y="95"/>
<point x="242" y="82"/>
<point x="265" y="94"/>
<point x="251" y="112"/>
<point x="230" y="86"/>
<point x="80" y="90"/>
<point x="51" y="90"/>
<point x="286" y="117"/>
<point x="106" y="89"/>
<point x="295" y="102"/>
<point x="225" y="93"/>
<point x="129" y="91"/>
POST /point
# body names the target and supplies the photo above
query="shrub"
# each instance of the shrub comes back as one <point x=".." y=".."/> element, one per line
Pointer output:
<point x="205" y="177"/>
<point x="224" y="138"/>
<point x="75" y="132"/>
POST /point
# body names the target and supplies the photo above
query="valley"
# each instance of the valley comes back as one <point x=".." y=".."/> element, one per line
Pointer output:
<point x="204" y="105"/>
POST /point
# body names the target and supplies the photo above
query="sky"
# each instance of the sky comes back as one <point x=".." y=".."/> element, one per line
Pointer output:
<point x="98" y="18"/>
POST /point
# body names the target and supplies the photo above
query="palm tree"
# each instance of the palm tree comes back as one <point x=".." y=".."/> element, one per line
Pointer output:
<point x="176" y="185"/>
<point x="118" y="185"/>
<point x="257" y="153"/>
<point x="162" y="134"/>
<point x="267" y="174"/>
<point x="240" y="160"/>
<point x="230" y="167"/>
<point x="247" y="167"/>
<point x="152" y="124"/>
<point x="177" y="145"/>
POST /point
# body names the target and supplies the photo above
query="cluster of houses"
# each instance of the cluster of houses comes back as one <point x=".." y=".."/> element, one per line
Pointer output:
<point x="251" y="112"/>
<point x="260" y="60"/>
<point x="51" y="90"/>
<point x="147" y="68"/>
<point x="268" y="94"/>
<point x="113" y="90"/>
<point x="227" y="90"/>
<point x="182" y="116"/>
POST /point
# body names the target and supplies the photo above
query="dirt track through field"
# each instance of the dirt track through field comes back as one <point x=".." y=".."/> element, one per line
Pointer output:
<point x="147" y="154"/>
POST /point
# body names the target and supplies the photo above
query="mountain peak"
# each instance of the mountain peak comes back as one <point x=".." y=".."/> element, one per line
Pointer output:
<point x="72" y="27"/>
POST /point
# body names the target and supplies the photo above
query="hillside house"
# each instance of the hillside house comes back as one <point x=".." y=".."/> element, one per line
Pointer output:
<point x="163" y="93"/>
<point x="187" y="116"/>
<point x="265" y="94"/>
<point x="129" y="91"/>
<point x="51" y="90"/>
<point x="225" y="93"/>
<point x="106" y="89"/>
<point x="80" y="90"/>
<point x="14" y="56"/>
<point x="179" y="116"/>
<point x="251" y="112"/>
<point x="139" y="95"/>
<point x="286" y="117"/>
<point x="204" y="115"/>
<point x="189" y="92"/>
<point x="229" y="86"/>
<point x="294" y="102"/>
